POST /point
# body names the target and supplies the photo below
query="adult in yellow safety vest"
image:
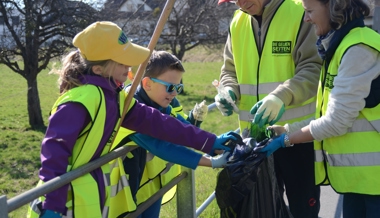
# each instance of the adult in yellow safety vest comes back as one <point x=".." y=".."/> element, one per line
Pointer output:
<point x="347" y="121"/>
<point x="86" y="117"/>
<point x="271" y="70"/>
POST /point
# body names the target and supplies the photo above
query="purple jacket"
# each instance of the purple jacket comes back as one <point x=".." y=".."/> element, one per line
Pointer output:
<point x="71" y="118"/>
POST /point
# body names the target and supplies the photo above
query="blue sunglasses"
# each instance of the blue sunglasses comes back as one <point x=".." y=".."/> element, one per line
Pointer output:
<point x="169" y="87"/>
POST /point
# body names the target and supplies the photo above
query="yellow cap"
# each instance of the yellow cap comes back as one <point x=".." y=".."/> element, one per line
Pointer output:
<point x="106" y="41"/>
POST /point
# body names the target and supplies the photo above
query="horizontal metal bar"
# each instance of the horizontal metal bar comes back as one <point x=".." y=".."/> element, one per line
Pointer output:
<point x="66" y="178"/>
<point x="142" y="207"/>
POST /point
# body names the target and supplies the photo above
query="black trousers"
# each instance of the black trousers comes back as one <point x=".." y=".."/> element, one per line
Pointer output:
<point x="295" y="175"/>
<point x="359" y="205"/>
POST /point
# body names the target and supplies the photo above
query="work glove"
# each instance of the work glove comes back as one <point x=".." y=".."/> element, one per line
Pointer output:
<point x="225" y="142"/>
<point x="220" y="160"/>
<point x="50" y="214"/>
<point x="268" y="111"/>
<point x="200" y="111"/>
<point x="225" y="107"/>
<point x="271" y="145"/>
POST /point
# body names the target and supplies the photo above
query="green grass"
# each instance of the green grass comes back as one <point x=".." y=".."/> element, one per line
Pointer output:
<point x="20" y="146"/>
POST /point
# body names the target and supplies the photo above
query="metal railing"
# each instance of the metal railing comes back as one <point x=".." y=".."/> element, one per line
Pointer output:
<point x="186" y="207"/>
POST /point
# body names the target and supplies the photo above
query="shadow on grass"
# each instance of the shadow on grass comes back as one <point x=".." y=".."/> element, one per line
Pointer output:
<point x="41" y="129"/>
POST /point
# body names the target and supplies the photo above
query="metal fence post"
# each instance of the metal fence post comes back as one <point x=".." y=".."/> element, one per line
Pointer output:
<point x="186" y="195"/>
<point x="3" y="207"/>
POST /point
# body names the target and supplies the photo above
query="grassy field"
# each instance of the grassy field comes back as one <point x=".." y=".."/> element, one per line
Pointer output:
<point x="20" y="146"/>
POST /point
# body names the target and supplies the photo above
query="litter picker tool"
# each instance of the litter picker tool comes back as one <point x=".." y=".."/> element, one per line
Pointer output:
<point x="153" y="41"/>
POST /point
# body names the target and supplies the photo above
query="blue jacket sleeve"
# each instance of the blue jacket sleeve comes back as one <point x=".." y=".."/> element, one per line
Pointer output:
<point x="170" y="152"/>
<point x="192" y="120"/>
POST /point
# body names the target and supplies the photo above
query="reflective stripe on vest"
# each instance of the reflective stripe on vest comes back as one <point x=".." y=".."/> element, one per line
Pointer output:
<point x="157" y="173"/>
<point x="81" y="192"/>
<point x="349" y="162"/>
<point x="271" y="68"/>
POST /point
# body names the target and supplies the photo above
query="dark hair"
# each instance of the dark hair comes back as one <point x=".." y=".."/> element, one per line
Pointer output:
<point x="160" y="62"/>
<point x="343" y="11"/>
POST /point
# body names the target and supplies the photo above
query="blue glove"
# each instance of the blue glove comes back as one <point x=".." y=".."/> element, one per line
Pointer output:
<point x="50" y="214"/>
<point x="223" y="105"/>
<point x="268" y="111"/>
<point x="271" y="145"/>
<point x="220" y="160"/>
<point x="222" y="140"/>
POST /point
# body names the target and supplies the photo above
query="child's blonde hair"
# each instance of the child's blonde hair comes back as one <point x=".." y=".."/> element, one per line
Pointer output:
<point x="74" y="66"/>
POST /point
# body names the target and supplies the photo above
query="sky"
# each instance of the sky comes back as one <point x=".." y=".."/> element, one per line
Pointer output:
<point x="99" y="3"/>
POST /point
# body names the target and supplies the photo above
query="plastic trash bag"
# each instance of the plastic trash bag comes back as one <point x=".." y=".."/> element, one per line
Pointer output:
<point x="247" y="186"/>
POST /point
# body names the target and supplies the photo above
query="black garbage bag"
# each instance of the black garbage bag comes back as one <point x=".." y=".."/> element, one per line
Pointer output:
<point x="247" y="186"/>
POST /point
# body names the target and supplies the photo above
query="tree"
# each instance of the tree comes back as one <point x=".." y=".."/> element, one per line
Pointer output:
<point x="190" y="24"/>
<point x="196" y="22"/>
<point x="37" y="31"/>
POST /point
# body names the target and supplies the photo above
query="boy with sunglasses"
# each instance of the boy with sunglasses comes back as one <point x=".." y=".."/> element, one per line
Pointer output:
<point x="158" y="89"/>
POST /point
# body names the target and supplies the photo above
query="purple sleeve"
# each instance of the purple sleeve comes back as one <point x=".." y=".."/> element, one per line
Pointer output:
<point x="149" y="121"/>
<point x="61" y="134"/>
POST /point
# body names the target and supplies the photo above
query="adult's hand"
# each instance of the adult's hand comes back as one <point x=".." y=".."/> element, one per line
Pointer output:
<point x="268" y="111"/>
<point x="272" y="145"/>
<point x="225" y="107"/>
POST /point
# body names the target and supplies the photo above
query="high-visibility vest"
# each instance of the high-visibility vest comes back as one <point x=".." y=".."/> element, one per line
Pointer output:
<point x="260" y="74"/>
<point x="349" y="162"/>
<point x="157" y="173"/>
<point x="83" y="199"/>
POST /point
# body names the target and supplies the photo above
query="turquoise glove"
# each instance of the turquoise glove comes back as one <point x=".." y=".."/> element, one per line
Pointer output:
<point x="220" y="160"/>
<point x="222" y="141"/>
<point x="223" y="105"/>
<point x="272" y="145"/>
<point x="268" y="111"/>
<point x="50" y="214"/>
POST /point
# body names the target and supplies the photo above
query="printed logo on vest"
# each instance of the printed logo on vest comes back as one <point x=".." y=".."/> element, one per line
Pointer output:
<point x="329" y="82"/>
<point x="281" y="47"/>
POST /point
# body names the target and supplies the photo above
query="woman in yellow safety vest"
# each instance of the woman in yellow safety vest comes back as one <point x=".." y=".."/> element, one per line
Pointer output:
<point x="347" y="121"/>
<point x="86" y="117"/>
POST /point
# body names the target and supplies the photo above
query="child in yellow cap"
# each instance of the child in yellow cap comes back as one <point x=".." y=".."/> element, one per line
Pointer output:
<point x="86" y="116"/>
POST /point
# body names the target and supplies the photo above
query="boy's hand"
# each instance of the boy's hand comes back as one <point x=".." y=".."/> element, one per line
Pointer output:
<point x="220" y="160"/>
<point x="200" y="111"/>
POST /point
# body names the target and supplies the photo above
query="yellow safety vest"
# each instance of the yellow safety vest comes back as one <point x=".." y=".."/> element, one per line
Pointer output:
<point x="258" y="75"/>
<point x="82" y="200"/>
<point x="349" y="162"/>
<point x="157" y="173"/>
